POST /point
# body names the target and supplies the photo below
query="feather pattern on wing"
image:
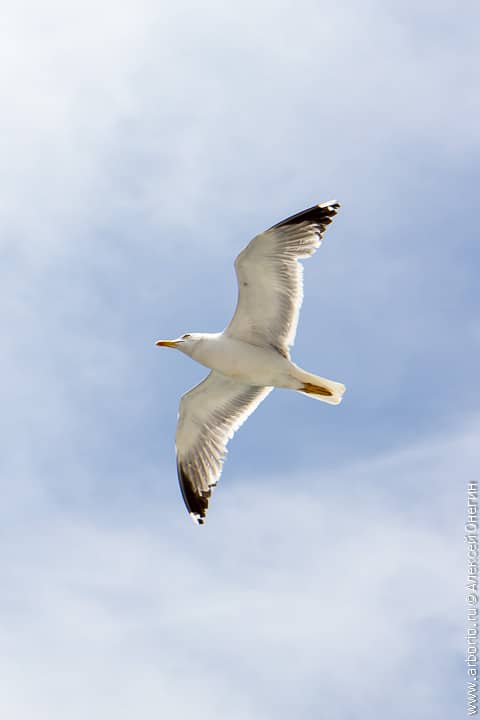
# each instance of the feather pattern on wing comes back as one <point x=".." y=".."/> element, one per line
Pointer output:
<point x="270" y="278"/>
<point x="209" y="415"/>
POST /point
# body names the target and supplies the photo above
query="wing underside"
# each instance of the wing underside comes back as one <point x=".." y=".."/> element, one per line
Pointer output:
<point x="208" y="417"/>
<point x="270" y="278"/>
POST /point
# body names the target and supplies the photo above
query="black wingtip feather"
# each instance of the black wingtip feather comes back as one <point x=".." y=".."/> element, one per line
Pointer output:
<point x="197" y="504"/>
<point x="322" y="214"/>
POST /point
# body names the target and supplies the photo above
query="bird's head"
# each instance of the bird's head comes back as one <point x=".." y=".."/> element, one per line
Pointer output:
<point x="185" y="343"/>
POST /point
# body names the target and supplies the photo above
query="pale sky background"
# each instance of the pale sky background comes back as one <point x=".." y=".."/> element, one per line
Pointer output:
<point x="143" y="144"/>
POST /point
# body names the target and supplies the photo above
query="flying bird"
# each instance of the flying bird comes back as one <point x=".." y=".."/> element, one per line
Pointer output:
<point x="251" y="356"/>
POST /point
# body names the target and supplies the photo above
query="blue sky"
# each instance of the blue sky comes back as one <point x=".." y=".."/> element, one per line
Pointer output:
<point x="144" y="144"/>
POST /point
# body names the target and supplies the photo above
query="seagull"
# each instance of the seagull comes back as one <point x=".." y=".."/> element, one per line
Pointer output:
<point x="251" y="356"/>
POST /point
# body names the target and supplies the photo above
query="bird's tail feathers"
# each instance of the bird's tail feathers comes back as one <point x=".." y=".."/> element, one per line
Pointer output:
<point x="319" y="388"/>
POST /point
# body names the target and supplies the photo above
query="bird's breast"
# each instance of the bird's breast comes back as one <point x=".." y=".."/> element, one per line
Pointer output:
<point x="247" y="363"/>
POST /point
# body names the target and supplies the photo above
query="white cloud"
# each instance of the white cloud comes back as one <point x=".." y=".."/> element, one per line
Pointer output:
<point x="307" y="596"/>
<point x="172" y="110"/>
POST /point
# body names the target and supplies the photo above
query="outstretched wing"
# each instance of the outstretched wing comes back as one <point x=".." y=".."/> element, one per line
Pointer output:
<point x="209" y="415"/>
<point x="270" y="278"/>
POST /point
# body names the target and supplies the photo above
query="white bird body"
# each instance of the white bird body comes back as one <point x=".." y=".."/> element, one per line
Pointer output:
<point x="251" y="356"/>
<point x="251" y="364"/>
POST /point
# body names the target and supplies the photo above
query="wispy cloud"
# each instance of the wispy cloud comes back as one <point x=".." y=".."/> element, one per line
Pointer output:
<point x="315" y="595"/>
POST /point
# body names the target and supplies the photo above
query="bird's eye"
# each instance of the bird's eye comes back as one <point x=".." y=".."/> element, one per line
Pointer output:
<point x="186" y="336"/>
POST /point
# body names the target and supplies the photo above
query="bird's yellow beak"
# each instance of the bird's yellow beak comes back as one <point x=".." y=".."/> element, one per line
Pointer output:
<point x="166" y="343"/>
